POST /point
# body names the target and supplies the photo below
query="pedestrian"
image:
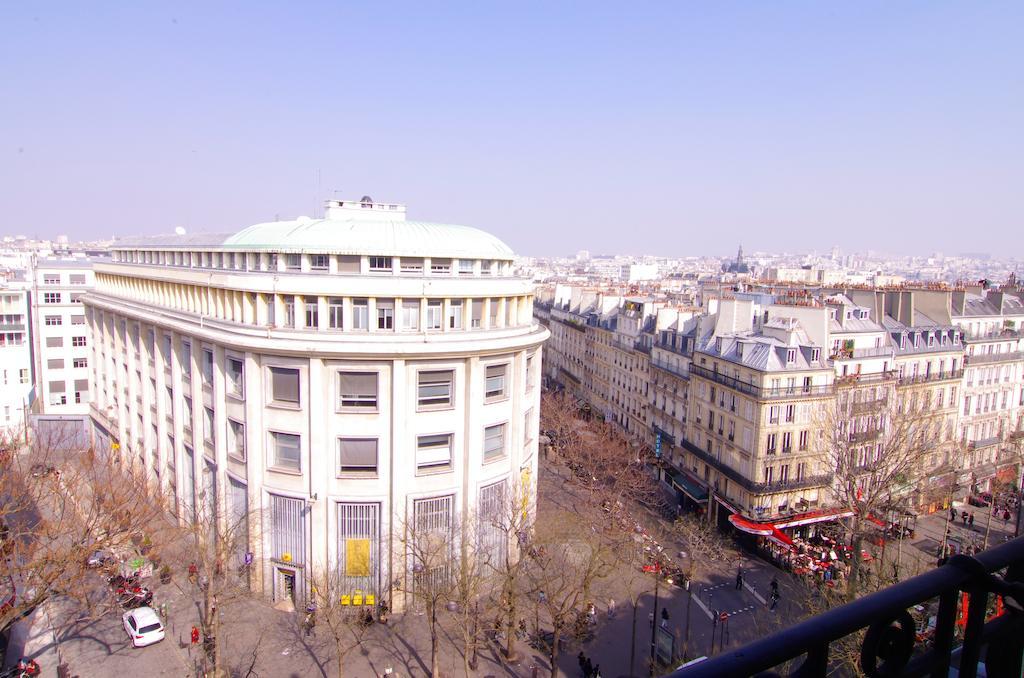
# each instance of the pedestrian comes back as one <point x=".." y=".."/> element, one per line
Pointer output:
<point x="970" y="520"/>
<point x="775" y="585"/>
<point x="739" y="578"/>
<point x="1006" y="515"/>
<point x="194" y="635"/>
<point x="597" y="672"/>
<point x="611" y="608"/>
<point x="310" y="622"/>
<point x="963" y="516"/>
<point x="773" y="599"/>
<point x="664" y="617"/>
<point x="588" y="668"/>
<point x="581" y="658"/>
<point x="952" y="513"/>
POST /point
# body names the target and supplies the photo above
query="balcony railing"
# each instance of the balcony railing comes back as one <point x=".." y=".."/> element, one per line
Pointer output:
<point x="985" y="358"/>
<point x="939" y="375"/>
<point x="987" y="442"/>
<point x="890" y="646"/>
<point x="678" y="370"/>
<point x="865" y="436"/>
<point x="868" y="405"/>
<point x="822" y="480"/>
<point x="871" y="352"/>
<point x="764" y="393"/>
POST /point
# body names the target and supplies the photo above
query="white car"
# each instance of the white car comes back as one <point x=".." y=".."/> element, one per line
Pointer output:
<point x="143" y="626"/>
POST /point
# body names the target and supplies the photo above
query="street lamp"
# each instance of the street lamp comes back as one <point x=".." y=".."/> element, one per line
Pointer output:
<point x="654" y="621"/>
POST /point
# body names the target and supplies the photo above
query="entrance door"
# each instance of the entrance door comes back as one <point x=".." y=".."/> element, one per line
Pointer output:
<point x="284" y="585"/>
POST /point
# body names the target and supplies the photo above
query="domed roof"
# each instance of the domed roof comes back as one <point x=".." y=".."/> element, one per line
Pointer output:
<point x="370" y="236"/>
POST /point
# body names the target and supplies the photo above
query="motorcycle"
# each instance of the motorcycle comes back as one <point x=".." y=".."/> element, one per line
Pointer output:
<point x="25" y="668"/>
<point x="133" y="596"/>
<point x="118" y="581"/>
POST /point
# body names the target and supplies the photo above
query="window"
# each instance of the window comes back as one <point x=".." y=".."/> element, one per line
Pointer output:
<point x="477" y="314"/>
<point x="208" y="434"/>
<point x="285" y="450"/>
<point x="787" y="441"/>
<point x="434" y="452"/>
<point x="495" y="386"/>
<point x="803" y="440"/>
<point x="455" y="314"/>
<point x="773" y="414"/>
<point x="207" y="367"/>
<point x="815" y="354"/>
<point x="771" y="443"/>
<point x="51" y="297"/>
<point x="55" y="364"/>
<point x="360" y="314"/>
<point x="494" y="442"/>
<point x="289" y="310"/>
<point x="188" y="413"/>
<point x="236" y="439"/>
<point x="293" y="262"/>
<point x="528" y="429"/>
<point x="318" y="262"/>
<point x="78" y="341"/>
<point x="54" y="342"/>
<point x="434" y="315"/>
<point x="312" y="312"/>
<point x="78" y="319"/>
<point x="357" y="390"/>
<point x="335" y="308"/>
<point x="385" y="314"/>
<point x="790" y="413"/>
<point x="80" y="362"/>
<point x="435" y="388"/>
<point x="790" y="356"/>
<point x="284" y="385"/>
<point x="380" y="264"/>
<point x="233" y="375"/>
<point x="186" y="360"/>
<point x="465" y="267"/>
<point x="412" y="265"/>
<point x="411" y="315"/>
<point x="51" y="279"/>
<point x="75" y="297"/>
<point x="440" y="266"/>
<point x="23" y="375"/>
<point x="357" y="456"/>
<point x="52" y="320"/>
<point x="77" y="278"/>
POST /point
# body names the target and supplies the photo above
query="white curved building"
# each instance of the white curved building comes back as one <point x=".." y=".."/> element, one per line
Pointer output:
<point x="345" y="376"/>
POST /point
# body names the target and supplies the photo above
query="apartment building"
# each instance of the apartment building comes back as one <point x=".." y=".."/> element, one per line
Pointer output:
<point x="62" y="338"/>
<point x="327" y="385"/>
<point x="15" y="356"/>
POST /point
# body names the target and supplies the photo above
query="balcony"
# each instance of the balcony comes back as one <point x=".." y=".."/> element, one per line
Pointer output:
<point x="986" y="358"/>
<point x="939" y="375"/>
<point x="871" y="352"/>
<point x="678" y="370"/>
<point x="865" y="378"/>
<point x="986" y="442"/>
<point x="12" y="327"/>
<point x="890" y="646"/>
<point x="763" y="393"/>
<point x="788" y="484"/>
<point x="869" y="405"/>
<point x="865" y="436"/>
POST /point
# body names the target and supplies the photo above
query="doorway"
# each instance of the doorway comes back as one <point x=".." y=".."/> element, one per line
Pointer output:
<point x="284" y="585"/>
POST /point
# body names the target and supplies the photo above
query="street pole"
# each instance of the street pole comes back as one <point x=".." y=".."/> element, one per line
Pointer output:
<point x="654" y="622"/>
<point x="686" y="637"/>
<point x="632" y="644"/>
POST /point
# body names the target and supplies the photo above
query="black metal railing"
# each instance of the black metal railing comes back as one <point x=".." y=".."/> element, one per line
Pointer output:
<point x="890" y="646"/>
<point x="823" y="480"/>
<point x="940" y="375"/>
<point x="763" y="393"/>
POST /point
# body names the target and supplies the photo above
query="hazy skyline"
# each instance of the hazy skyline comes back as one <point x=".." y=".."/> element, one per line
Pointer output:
<point x="674" y="128"/>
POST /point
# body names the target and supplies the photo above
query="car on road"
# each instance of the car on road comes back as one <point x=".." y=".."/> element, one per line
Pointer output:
<point x="101" y="558"/>
<point x="143" y="626"/>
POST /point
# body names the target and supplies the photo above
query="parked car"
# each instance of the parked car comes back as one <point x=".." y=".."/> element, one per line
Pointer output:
<point x="101" y="558"/>
<point x="975" y="500"/>
<point x="143" y="626"/>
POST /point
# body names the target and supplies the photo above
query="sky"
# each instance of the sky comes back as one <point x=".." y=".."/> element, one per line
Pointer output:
<point x="675" y="128"/>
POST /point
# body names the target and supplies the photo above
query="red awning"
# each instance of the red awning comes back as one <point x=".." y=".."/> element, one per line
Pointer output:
<point x="877" y="521"/>
<point x="812" y="517"/>
<point x="750" y="527"/>
<point x="760" y="529"/>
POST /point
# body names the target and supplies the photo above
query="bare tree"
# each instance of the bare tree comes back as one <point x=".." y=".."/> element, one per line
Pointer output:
<point x="566" y="559"/>
<point x="58" y="506"/>
<point x="212" y="548"/>
<point x="346" y="620"/>
<point x="877" y="452"/>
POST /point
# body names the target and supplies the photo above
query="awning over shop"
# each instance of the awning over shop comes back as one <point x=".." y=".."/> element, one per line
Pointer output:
<point x="985" y="471"/>
<point x="812" y="517"/>
<point x="760" y="529"/>
<point x="687" y="485"/>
